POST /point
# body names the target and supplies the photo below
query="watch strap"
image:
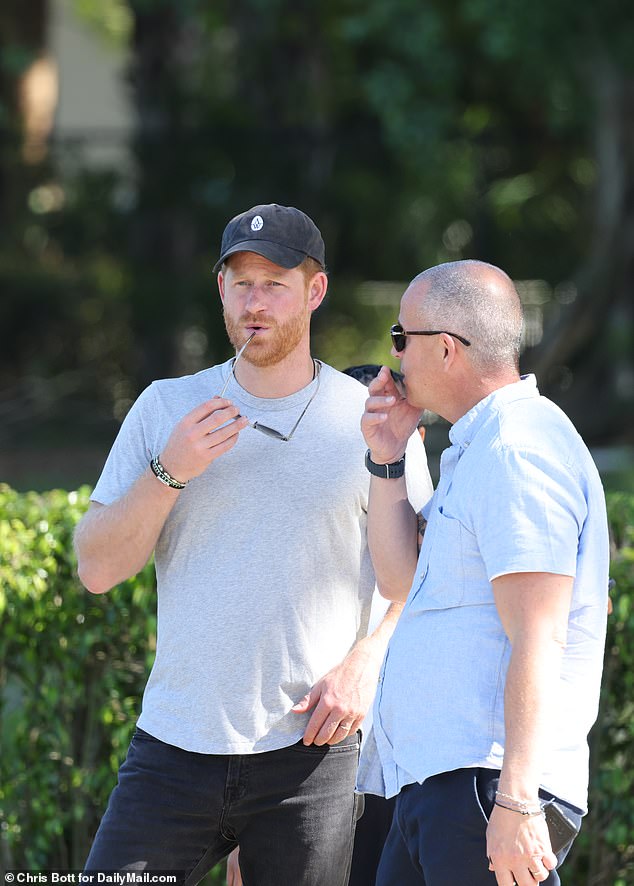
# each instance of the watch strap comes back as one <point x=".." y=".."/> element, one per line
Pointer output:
<point x="392" y="471"/>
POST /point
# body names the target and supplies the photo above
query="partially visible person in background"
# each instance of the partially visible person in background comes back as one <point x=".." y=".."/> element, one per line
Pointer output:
<point x="376" y="818"/>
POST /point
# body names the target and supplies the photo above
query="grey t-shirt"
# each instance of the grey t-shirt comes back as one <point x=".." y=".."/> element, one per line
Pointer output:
<point x="263" y="574"/>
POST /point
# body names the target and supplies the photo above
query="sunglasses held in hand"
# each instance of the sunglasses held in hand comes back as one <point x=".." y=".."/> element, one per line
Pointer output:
<point x="258" y="426"/>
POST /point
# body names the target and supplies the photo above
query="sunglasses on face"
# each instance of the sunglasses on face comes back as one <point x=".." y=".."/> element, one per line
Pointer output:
<point x="399" y="336"/>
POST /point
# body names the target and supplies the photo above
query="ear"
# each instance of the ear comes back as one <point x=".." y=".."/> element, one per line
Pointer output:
<point x="449" y="350"/>
<point x="221" y="286"/>
<point x="317" y="289"/>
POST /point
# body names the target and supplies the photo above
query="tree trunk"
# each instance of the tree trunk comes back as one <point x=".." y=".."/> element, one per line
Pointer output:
<point x="22" y="41"/>
<point x="163" y="240"/>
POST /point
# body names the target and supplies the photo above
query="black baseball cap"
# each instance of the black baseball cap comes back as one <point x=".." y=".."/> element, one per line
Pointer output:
<point x="283" y="234"/>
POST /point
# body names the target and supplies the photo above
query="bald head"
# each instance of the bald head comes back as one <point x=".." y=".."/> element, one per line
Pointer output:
<point x="476" y="300"/>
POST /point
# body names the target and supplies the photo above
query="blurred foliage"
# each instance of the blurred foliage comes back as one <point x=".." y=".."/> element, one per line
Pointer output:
<point x="74" y="666"/>
<point x="111" y="19"/>
<point x="413" y="133"/>
<point x="73" y="669"/>
<point x="603" y="854"/>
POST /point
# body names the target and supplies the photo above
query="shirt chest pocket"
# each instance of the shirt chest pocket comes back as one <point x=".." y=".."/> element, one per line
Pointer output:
<point x="455" y="574"/>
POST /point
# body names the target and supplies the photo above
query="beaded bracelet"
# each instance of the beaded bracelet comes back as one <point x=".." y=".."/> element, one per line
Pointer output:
<point x="166" y="478"/>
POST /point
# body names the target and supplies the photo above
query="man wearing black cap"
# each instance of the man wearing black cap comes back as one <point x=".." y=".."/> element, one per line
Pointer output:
<point x="247" y="480"/>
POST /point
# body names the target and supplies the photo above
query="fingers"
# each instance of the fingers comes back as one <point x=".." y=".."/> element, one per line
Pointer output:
<point x="314" y="727"/>
<point x="340" y="731"/>
<point x="383" y="384"/>
<point x="509" y="878"/>
<point x="383" y="394"/>
<point x="518" y="848"/>
<point x="212" y="415"/>
<point x="217" y="432"/>
<point x="376" y="414"/>
<point x="524" y="873"/>
<point x="221" y="441"/>
<point x="344" y="729"/>
<point x="388" y="419"/>
<point x="327" y="729"/>
<point x="217" y="414"/>
<point x="201" y="412"/>
<point x="329" y="725"/>
<point x="541" y="865"/>
<point x="318" y="719"/>
<point x="204" y="434"/>
<point x="538" y="870"/>
<point x="377" y="405"/>
<point x="306" y="703"/>
<point x="234" y="877"/>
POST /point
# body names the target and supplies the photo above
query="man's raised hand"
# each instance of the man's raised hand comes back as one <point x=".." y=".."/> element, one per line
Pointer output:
<point x="202" y="436"/>
<point x="389" y="420"/>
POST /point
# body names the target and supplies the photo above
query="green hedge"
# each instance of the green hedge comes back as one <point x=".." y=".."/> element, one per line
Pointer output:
<point x="603" y="854"/>
<point x="73" y="666"/>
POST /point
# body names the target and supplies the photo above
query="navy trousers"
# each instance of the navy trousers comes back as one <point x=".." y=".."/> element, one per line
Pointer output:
<point x="438" y="833"/>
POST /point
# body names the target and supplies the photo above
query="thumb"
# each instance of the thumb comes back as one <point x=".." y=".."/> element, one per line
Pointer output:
<point x="307" y="702"/>
<point x="550" y="860"/>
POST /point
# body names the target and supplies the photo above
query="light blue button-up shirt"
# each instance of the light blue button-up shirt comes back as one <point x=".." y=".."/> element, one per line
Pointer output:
<point x="518" y="492"/>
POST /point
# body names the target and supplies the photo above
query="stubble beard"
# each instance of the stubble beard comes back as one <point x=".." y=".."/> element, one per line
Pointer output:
<point x="281" y="338"/>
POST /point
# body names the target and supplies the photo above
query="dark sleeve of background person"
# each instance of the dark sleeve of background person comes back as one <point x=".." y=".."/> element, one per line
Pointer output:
<point x="368" y="371"/>
<point x="365" y="372"/>
<point x="369" y="839"/>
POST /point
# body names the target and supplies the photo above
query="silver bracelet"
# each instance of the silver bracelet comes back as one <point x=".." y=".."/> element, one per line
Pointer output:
<point x="164" y="476"/>
<point x="525" y="807"/>
<point x="529" y="813"/>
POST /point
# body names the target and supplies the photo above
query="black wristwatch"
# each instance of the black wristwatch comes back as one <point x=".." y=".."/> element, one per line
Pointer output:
<point x="388" y="472"/>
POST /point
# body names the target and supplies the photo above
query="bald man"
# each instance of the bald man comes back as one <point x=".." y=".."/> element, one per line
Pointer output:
<point x="491" y="680"/>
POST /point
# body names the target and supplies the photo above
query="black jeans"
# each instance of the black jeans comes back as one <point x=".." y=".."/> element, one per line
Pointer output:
<point x="291" y="811"/>
<point x="438" y="834"/>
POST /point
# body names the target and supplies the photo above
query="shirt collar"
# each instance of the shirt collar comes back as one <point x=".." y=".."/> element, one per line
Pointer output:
<point x="465" y="429"/>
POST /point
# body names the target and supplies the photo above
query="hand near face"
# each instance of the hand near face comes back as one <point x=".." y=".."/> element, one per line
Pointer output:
<point x="389" y="420"/>
<point x="202" y="436"/>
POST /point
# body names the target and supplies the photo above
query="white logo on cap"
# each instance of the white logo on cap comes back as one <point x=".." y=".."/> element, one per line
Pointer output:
<point x="257" y="224"/>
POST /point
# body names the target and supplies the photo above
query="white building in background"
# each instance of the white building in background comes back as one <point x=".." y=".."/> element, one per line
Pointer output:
<point x="76" y="91"/>
<point x="93" y="105"/>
